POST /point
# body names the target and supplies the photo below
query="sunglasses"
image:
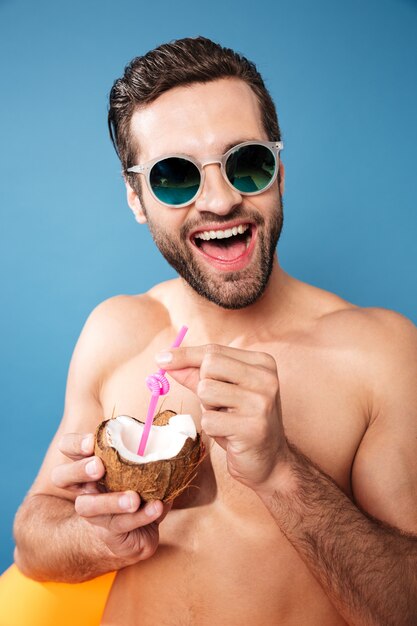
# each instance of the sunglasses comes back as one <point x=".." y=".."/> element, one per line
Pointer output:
<point x="177" y="179"/>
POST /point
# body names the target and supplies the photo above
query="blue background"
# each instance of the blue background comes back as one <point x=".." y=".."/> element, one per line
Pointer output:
<point x="344" y="78"/>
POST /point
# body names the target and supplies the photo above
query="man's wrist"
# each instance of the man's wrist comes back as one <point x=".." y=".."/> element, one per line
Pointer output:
<point x="282" y="480"/>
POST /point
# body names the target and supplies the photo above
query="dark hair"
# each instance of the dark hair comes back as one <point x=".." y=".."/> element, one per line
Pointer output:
<point x="181" y="62"/>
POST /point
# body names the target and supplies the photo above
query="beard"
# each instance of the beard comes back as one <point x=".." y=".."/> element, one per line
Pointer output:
<point x="229" y="290"/>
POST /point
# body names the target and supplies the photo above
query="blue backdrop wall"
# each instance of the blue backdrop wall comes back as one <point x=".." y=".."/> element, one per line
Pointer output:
<point x="344" y="77"/>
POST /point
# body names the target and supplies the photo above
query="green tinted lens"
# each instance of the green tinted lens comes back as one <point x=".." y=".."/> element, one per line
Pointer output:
<point x="251" y="168"/>
<point x="174" y="180"/>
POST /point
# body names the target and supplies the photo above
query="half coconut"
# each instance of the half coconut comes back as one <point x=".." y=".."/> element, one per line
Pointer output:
<point x="173" y="453"/>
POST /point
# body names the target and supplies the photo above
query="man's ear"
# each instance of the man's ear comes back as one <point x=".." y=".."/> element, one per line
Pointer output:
<point x="134" y="203"/>
<point x="281" y="177"/>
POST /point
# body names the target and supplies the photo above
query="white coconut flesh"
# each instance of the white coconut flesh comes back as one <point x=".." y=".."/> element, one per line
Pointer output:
<point x="164" y="442"/>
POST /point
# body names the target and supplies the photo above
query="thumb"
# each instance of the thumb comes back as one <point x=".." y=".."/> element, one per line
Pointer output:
<point x="183" y="364"/>
<point x="188" y="377"/>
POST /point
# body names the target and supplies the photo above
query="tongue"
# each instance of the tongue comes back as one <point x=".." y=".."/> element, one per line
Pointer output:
<point x="230" y="252"/>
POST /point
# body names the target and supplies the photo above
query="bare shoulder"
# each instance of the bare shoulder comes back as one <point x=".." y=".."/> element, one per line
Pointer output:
<point x="126" y="318"/>
<point x="381" y="330"/>
<point x="380" y="347"/>
<point x="117" y="329"/>
<point x="333" y="321"/>
<point x="379" y="344"/>
<point x="384" y="348"/>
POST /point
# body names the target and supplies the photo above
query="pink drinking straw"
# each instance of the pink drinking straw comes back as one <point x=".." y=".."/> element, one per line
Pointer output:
<point x="158" y="385"/>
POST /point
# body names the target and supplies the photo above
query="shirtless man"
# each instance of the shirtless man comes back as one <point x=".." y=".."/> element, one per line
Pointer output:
<point x="306" y="507"/>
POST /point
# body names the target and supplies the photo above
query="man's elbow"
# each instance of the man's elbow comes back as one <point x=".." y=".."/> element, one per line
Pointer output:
<point x="23" y="552"/>
<point x="26" y="567"/>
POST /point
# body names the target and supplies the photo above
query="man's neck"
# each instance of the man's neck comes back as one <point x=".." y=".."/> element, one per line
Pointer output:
<point x="213" y="324"/>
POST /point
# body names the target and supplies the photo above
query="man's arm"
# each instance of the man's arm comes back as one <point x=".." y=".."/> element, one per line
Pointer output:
<point x="364" y="553"/>
<point x="65" y="529"/>
<point x="366" y="566"/>
<point x="58" y="541"/>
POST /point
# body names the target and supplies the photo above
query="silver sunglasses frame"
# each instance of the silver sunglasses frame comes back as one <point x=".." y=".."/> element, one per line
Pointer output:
<point x="221" y="159"/>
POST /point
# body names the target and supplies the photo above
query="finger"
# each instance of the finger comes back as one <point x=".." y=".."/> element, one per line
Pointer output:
<point x="218" y="424"/>
<point x="89" y="488"/>
<point x="166" y="509"/>
<point x="242" y="432"/>
<point x="83" y="488"/>
<point x="107" y="503"/>
<point x="78" y="472"/>
<point x="192" y="357"/>
<point x="187" y="365"/>
<point x="76" y="446"/>
<point x="215" y="394"/>
<point x="224" y="368"/>
<point x="188" y="377"/>
<point x="126" y="522"/>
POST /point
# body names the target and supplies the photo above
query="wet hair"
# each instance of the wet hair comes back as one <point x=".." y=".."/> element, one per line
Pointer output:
<point x="179" y="63"/>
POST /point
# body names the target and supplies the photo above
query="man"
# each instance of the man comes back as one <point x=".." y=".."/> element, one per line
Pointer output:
<point x="306" y="506"/>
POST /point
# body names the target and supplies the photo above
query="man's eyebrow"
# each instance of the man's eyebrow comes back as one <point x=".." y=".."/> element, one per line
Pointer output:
<point x="231" y="145"/>
<point x="225" y="148"/>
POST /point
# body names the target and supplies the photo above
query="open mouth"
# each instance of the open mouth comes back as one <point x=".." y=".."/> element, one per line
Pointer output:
<point x="226" y="247"/>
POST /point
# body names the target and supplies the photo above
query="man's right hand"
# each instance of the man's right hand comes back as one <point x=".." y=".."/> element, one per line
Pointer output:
<point x="129" y="532"/>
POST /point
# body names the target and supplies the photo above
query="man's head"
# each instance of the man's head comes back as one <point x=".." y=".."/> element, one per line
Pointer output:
<point x="179" y="63"/>
<point x="197" y="102"/>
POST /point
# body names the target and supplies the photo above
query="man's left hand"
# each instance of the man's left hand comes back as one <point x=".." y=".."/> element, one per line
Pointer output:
<point x="241" y="409"/>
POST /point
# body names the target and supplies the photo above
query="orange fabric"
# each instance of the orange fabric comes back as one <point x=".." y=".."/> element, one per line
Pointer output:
<point x="25" y="602"/>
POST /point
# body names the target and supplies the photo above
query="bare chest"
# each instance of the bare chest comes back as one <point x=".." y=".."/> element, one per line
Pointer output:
<point x="322" y="410"/>
<point x="218" y="539"/>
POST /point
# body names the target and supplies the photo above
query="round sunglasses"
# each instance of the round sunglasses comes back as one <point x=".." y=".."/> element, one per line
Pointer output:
<point x="177" y="179"/>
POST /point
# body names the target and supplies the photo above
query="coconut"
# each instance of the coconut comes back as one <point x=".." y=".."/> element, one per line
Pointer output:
<point x="173" y="452"/>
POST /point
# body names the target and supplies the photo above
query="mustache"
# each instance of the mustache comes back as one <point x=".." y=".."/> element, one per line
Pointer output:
<point x="206" y="217"/>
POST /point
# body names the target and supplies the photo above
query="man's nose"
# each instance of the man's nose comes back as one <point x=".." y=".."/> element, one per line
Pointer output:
<point x="217" y="196"/>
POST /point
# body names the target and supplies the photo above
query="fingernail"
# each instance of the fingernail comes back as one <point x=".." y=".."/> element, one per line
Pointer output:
<point x="87" y="443"/>
<point x="126" y="502"/>
<point x="91" y="468"/>
<point x="151" y="510"/>
<point x="164" y="357"/>
<point x="82" y="503"/>
<point x="89" y="488"/>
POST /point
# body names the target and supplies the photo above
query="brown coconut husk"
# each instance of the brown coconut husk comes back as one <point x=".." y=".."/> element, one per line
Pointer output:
<point x="157" y="480"/>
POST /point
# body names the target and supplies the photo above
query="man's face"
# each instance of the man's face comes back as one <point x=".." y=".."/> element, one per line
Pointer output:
<point x="203" y="120"/>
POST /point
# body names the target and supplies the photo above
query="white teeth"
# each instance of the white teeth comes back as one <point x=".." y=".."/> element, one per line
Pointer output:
<point x="222" y="234"/>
